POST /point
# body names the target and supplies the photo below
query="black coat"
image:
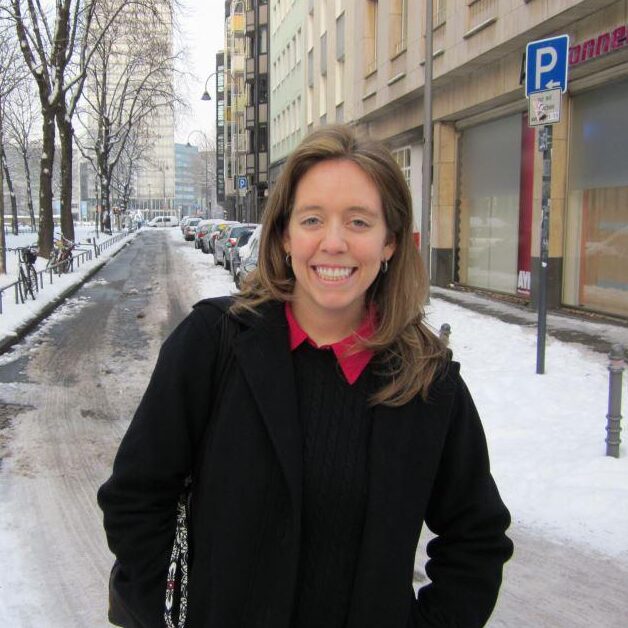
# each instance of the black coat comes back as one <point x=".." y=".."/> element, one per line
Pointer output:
<point x="427" y="462"/>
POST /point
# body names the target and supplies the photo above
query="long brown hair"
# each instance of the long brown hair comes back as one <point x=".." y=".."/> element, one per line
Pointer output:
<point x="408" y="352"/>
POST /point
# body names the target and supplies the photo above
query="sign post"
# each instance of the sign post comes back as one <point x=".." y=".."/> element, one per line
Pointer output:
<point x="546" y="80"/>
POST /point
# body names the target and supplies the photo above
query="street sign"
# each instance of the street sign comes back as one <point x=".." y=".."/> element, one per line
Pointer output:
<point x="544" y="107"/>
<point x="242" y="183"/>
<point x="546" y="64"/>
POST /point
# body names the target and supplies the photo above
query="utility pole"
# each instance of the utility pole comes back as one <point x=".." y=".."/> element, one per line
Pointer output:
<point x="426" y="204"/>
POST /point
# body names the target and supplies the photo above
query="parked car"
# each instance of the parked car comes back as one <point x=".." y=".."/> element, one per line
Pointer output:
<point x="201" y="229"/>
<point x="227" y="240"/>
<point x="163" y="221"/>
<point x="249" y="254"/>
<point x="184" y="222"/>
<point x="190" y="229"/>
<point x="207" y="243"/>
<point x="234" y="252"/>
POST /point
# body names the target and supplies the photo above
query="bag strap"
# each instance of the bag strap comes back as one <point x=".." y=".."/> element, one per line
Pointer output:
<point x="179" y="554"/>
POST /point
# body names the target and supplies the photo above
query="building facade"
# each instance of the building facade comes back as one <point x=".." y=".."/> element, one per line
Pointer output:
<point x="188" y="197"/>
<point x="235" y="133"/>
<point x="487" y="168"/>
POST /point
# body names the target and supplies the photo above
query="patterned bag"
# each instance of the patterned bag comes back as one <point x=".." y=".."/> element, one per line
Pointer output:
<point x="179" y="555"/>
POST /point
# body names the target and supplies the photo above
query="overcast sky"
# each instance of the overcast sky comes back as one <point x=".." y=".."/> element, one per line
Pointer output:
<point x="202" y="34"/>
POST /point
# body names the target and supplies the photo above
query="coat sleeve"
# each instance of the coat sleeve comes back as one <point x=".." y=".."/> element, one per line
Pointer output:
<point x="154" y="458"/>
<point x="469" y="518"/>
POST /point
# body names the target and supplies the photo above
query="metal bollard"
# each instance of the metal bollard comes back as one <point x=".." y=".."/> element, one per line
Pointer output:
<point x="613" y="423"/>
<point x="444" y="333"/>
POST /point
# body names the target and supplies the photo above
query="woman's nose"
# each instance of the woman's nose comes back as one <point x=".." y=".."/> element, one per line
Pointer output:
<point x="334" y="240"/>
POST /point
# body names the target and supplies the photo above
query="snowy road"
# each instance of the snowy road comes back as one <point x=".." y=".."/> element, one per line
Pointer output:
<point x="72" y="389"/>
<point x="66" y="394"/>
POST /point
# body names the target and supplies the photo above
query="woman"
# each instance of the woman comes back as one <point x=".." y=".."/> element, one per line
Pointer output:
<point x="338" y="427"/>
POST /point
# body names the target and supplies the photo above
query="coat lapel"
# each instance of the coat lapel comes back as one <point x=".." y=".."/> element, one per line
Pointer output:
<point x="403" y="458"/>
<point x="263" y="354"/>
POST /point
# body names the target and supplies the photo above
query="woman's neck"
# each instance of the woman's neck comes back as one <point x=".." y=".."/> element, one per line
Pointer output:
<point x="326" y="328"/>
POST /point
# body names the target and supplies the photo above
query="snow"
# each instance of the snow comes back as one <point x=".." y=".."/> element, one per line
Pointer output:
<point x="14" y="316"/>
<point x="546" y="433"/>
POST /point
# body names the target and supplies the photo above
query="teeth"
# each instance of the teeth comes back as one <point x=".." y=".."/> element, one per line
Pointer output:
<point x="333" y="274"/>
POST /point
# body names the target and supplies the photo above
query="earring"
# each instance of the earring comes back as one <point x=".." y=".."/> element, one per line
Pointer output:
<point x="288" y="260"/>
<point x="384" y="267"/>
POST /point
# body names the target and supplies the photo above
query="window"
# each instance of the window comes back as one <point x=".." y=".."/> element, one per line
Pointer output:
<point x="370" y="38"/>
<point x="322" y="7"/>
<point x="299" y="44"/>
<point x="262" y="138"/>
<point x="402" y="157"/>
<point x="263" y="40"/>
<point x="262" y="83"/>
<point x="322" y="96"/>
<point x="398" y="26"/>
<point x="440" y="13"/>
<point x="340" y="37"/>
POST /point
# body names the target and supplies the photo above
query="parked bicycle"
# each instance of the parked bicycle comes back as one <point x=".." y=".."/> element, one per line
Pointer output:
<point x="61" y="256"/>
<point x="27" y="281"/>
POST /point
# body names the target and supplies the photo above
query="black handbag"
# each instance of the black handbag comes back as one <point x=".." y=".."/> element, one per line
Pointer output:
<point x="176" y="592"/>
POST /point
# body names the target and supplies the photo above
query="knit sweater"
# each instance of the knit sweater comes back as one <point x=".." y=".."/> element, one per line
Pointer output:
<point x="336" y="423"/>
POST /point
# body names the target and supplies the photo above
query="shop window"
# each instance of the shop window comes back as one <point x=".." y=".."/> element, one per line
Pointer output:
<point x="596" y="244"/>
<point x="490" y="171"/>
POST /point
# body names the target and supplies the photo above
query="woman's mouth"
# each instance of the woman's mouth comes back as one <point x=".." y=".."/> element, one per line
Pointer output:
<point x="335" y="273"/>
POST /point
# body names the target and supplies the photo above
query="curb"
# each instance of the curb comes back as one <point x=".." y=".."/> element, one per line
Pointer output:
<point x="22" y="331"/>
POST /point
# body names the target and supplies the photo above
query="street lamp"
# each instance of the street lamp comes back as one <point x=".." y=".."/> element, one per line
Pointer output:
<point x="208" y="203"/>
<point x="206" y="96"/>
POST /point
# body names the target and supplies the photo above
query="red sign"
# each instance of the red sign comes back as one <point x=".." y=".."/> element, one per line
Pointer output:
<point x="600" y="46"/>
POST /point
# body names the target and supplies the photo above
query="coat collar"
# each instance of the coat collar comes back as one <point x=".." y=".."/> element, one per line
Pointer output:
<point x="262" y="350"/>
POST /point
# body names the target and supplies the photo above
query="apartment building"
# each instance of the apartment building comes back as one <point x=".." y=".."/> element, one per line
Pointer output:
<point x="257" y="161"/>
<point x="235" y="133"/>
<point x="288" y="24"/>
<point x="487" y="169"/>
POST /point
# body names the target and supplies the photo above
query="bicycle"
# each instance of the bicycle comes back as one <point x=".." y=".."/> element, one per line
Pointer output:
<point x="61" y="255"/>
<point x="27" y="280"/>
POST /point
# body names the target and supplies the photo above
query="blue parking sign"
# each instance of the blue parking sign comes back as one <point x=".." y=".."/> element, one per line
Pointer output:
<point x="242" y="183"/>
<point x="546" y="64"/>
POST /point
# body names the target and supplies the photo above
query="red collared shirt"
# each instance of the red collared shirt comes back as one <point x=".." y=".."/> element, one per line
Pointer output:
<point x="351" y="364"/>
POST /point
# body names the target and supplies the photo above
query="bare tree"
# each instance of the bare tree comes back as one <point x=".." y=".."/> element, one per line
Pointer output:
<point x="58" y="46"/>
<point x="10" y="77"/>
<point x="20" y="118"/>
<point x="129" y="79"/>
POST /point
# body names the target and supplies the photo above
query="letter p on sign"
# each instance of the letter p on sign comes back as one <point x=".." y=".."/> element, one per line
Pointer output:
<point x="546" y="64"/>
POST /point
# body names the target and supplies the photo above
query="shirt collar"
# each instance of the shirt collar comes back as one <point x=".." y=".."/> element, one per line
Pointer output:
<point x="351" y="364"/>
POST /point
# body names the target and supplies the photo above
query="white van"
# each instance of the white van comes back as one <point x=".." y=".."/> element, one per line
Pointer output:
<point x="163" y="221"/>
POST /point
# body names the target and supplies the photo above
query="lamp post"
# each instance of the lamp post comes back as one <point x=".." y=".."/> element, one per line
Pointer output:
<point x="206" y="96"/>
<point x="208" y="203"/>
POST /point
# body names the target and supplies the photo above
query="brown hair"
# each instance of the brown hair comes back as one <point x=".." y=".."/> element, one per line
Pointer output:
<point x="408" y="352"/>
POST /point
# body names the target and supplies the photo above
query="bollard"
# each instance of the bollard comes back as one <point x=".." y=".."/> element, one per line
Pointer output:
<point x="613" y="424"/>
<point x="443" y="334"/>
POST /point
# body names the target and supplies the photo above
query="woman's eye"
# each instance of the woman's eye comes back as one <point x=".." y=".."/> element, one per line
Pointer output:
<point x="312" y="220"/>
<point x="358" y="222"/>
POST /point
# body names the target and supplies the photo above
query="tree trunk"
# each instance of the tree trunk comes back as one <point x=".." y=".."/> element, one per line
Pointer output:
<point x="29" y="191"/>
<point x="66" y="136"/>
<point x="7" y="175"/>
<point x="3" y="249"/>
<point x="46" y="226"/>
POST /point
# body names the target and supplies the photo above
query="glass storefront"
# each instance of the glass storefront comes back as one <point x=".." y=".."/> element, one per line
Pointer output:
<point x="596" y="244"/>
<point x="491" y="181"/>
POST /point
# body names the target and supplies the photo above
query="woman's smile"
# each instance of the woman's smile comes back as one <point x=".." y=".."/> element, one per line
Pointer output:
<point x="337" y="239"/>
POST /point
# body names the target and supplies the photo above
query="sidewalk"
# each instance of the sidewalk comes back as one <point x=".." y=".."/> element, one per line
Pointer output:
<point x="596" y="332"/>
<point x="17" y="319"/>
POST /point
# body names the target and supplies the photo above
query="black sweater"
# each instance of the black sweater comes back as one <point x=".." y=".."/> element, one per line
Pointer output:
<point x="336" y="423"/>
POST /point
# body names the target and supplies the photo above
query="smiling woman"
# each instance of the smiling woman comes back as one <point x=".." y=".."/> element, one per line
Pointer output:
<point x="339" y="426"/>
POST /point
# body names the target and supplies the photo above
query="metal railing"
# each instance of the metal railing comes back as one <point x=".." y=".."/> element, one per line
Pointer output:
<point x="79" y="256"/>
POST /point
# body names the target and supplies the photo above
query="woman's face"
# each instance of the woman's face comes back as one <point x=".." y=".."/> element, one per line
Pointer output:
<point x="337" y="238"/>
